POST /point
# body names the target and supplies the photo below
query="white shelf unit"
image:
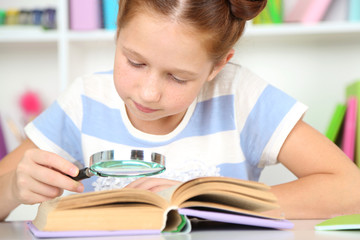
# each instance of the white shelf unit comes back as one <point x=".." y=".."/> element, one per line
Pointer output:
<point x="64" y="37"/>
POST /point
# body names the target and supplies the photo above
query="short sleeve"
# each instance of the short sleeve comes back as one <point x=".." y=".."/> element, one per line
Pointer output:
<point x="58" y="128"/>
<point x="265" y="116"/>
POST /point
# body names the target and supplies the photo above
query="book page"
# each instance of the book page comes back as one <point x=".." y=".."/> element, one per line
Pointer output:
<point x="124" y="195"/>
<point x="226" y="193"/>
<point x="167" y="193"/>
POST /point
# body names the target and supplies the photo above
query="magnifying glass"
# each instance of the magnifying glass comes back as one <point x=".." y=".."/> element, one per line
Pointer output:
<point x="111" y="163"/>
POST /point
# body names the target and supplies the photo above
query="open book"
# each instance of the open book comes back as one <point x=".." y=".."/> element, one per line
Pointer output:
<point x="133" y="211"/>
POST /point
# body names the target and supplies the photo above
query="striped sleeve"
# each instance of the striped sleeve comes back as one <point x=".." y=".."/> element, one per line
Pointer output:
<point x="267" y="116"/>
<point x="58" y="128"/>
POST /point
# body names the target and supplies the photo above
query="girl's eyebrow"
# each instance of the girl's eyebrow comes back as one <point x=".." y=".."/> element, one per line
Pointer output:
<point x="175" y="70"/>
<point x="133" y="52"/>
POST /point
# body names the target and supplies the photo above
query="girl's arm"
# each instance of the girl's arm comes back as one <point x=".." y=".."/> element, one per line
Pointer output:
<point x="29" y="175"/>
<point x="328" y="181"/>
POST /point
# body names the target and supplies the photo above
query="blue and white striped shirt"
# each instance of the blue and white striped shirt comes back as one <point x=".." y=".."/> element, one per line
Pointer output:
<point x="235" y="127"/>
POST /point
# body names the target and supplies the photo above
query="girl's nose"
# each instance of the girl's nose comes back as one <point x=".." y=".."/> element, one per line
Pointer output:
<point x="151" y="89"/>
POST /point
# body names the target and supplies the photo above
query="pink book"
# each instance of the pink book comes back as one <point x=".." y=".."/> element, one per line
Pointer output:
<point x="308" y="11"/>
<point x="3" y="150"/>
<point x="348" y="141"/>
<point x="85" y="14"/>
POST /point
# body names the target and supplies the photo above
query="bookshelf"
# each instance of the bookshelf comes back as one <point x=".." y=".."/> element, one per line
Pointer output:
<point x="296" y="29"/>
<point x="64" y="37"/>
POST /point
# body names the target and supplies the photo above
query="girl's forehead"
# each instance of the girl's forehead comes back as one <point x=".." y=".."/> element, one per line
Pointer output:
<point x="164" y="43"/>
<point x="159" y="30"/>
<point x="164" y="29"/>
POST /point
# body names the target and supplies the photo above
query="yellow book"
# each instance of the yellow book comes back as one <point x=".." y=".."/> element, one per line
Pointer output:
<point x="215" y="198"/>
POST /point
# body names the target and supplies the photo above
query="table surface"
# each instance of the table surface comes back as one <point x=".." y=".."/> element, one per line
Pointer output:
<point x="303" y="229"/>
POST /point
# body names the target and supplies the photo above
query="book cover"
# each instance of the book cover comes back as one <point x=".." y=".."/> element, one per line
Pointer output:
<point x="337" y="11"/>
<point x="348" y="141"/>
<point x="336" y="122"/>
<point x="353" y="90"/>
<point x="263" y="18"/>
<point x="308" y="11"/>
<point x="110" y="10"/>
<point x="67" y="234"/>
<point x="85" y="14"/>
<point x="345" y="222"/>
<point x="133" y="211"/>
<point x="276" y="10"/>
<point x="354" y="10"/>
<point x="272" y="13"/>
<point x="3" y="149"/>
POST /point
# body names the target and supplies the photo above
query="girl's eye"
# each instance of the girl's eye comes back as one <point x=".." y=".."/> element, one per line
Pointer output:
<point x="135" y="64"/>
<point x="181" y="81"/>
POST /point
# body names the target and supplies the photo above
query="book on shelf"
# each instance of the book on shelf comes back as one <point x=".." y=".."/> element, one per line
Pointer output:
<point x="272" y="13"/>
<point x="333" y="131"/>
<point x="84" y="14"/>
<point x="308" y="11"/>
<point x="349" y="135"/>
<point x="3" y="148"/>
<point x="136" y="211"/>
<point x="110" y="10"/>
<point x="354" y="10"/>
<point x="353" y="90"/>
<point x="93" y="14"/>
<point x="337" y="11"/>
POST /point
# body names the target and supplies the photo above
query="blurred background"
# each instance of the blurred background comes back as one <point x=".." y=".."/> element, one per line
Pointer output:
<point x="309" y="49"/>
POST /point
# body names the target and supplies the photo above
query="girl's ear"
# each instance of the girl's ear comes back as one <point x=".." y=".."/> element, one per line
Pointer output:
<point x="221" y="64"/>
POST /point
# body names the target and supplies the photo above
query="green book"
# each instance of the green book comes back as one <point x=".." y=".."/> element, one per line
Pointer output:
<point x="275" y="10"/>
<point x="264" y="17"/>
<point x="272" y="13"/>
<point x="354" y="90"/>
<point x="336" y="122"/>
<point x="346" y="222"/>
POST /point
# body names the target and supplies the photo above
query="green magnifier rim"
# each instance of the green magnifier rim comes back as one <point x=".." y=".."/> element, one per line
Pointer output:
<point x="126" y="168"/>
<point x="105" y="165"/>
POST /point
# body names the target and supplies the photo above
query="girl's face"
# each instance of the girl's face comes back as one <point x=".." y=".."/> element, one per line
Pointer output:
<point x="160" y="67"/>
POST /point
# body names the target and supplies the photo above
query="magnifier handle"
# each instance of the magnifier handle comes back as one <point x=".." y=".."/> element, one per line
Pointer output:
<point x="83" y="173"/>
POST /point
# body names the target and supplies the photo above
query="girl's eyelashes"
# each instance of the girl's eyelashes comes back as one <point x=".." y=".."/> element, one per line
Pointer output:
<point x="181" y="81"/>
<point x="140" y="65"/>
<point x="135" y="64"/>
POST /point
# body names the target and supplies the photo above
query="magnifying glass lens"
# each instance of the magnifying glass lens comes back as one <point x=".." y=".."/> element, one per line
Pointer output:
<point x="126" y="168"/>
<point x="106" y="164"/>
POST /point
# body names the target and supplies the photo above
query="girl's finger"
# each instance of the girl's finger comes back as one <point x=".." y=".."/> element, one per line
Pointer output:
<point x="160" y="188"/>
<point x="152" y="183"/>
<point x="52" y="160"/>
<point x="56" y="179"/>
<point x="38" y="188"/>
<point x="136" y="183"/>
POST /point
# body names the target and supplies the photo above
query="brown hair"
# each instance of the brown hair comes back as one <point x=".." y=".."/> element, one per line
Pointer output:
<point x="221" y="21"/>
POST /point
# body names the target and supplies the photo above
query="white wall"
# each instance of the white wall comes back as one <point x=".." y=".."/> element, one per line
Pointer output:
<point x="313" y="69"/>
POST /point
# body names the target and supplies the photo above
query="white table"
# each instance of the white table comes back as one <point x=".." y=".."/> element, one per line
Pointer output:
<point x="303" y="230"/>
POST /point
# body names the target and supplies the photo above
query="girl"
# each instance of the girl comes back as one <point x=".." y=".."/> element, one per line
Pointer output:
<point x="173" y="90"/>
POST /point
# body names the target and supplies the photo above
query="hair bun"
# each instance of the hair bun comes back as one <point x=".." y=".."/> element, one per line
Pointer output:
<point x="246" y="9"/>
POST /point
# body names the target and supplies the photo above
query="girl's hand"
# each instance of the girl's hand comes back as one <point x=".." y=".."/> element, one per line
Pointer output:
<point x="40" y="176"/>
<point x="152" y="184"/>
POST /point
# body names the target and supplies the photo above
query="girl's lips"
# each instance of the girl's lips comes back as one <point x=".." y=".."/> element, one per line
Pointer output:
<point x="144" y="109"/>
